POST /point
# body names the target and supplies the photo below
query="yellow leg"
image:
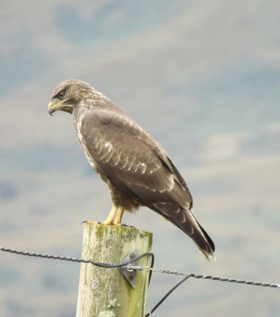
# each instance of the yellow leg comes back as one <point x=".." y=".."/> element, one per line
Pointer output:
<point x="118" y="216"/>
<point x="110" y="218"/>
<point x="114" y="217"/>
<point x="90" y="222"/>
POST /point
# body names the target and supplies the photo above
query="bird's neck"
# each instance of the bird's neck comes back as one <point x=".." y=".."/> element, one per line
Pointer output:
<point x="79" y="111"/>
<point x="97" y="102"/>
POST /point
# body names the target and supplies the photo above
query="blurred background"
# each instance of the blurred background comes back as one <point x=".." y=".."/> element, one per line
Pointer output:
<point x="203" y="77"/>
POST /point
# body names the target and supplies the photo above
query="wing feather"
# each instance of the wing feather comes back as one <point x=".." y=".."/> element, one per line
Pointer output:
<point x="131" y="159"/>
<point x="127" y="154"/>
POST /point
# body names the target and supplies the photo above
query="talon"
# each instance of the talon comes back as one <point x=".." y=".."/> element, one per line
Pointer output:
<point x="108" y="222"/>
<point x="89" y="222"/>
<point x="114" y="217"/>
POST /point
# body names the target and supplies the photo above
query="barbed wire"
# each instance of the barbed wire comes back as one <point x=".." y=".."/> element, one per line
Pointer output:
<point x="79" y="260"/>
<point x="130" y="266"/>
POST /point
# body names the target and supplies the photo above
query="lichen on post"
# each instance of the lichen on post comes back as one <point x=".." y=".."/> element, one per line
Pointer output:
<point x="105" y="292"/>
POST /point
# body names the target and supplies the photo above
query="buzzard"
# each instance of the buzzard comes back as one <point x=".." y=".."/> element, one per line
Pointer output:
<point x="133" y="165"/>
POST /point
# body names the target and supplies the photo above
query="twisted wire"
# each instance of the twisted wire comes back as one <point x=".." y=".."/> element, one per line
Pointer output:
<point x="130" y="265"/>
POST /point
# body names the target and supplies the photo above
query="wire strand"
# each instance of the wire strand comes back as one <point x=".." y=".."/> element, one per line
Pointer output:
<point x="130" y="265"/>
<point x="126" y="264"/>
<point x="167" y="295"/>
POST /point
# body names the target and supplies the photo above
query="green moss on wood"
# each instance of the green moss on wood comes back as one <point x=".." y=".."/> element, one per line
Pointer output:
<point x="105" y="291"/>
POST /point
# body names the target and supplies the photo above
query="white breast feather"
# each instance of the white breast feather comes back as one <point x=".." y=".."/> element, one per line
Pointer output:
<point x="81" y="139"/>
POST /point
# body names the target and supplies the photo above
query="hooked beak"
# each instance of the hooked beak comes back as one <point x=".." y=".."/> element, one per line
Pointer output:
<point x="54" y="106"/>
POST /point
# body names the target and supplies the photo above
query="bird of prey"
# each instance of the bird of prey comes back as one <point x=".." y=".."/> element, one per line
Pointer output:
<point x="133" y="165"/>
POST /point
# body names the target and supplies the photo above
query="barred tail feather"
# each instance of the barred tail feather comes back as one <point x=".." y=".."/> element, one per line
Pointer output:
<point x="204" y="242"/>
<point x="184" y="219"/>
<point x="198" y="235"/>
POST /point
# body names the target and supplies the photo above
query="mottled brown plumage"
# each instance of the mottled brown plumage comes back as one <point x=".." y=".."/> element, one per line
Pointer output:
<point x="135" y="167"/>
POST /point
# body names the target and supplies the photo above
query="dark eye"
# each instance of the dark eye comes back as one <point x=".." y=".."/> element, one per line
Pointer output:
<point x="60" y="94"/>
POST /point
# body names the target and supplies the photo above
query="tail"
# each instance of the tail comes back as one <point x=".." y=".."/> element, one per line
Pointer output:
<point x="195" y="231"/>
<point x="204" y="242"/>
<point x="186" y="221"/>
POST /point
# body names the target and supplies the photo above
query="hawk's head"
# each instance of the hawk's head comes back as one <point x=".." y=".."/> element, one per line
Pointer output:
<point x="68" y="95"/>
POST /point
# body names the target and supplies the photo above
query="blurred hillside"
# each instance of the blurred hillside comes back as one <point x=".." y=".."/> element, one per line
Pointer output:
<point x="204" y="79"/>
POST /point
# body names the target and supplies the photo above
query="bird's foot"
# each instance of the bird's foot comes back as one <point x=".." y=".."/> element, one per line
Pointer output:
<point x="108" y="222"/>
<point x="111" y="221"/>
<point x="89" y="222"/>
<point x="114" y="217"/>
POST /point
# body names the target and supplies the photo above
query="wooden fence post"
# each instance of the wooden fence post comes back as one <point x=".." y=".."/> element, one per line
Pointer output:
<point x="105" y="292"/>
